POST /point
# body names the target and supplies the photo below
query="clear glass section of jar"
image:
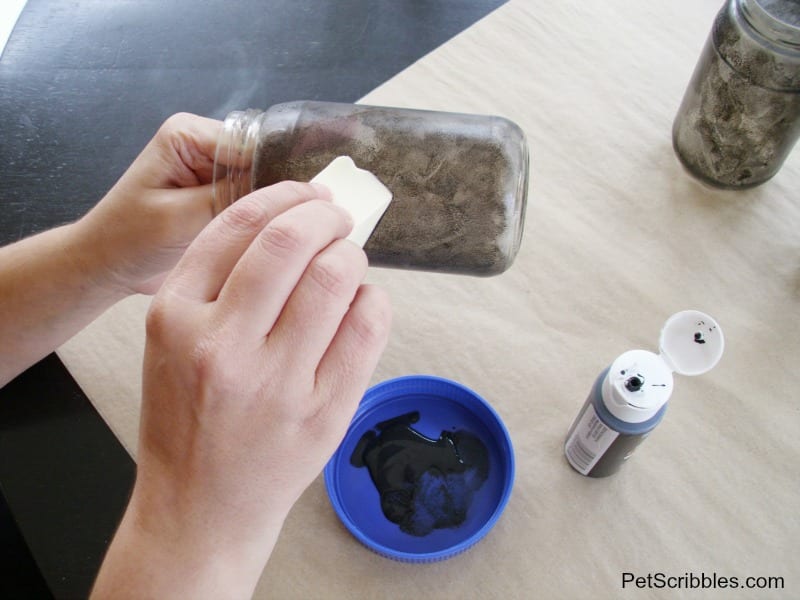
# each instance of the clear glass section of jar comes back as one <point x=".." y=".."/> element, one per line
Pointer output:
<point x="459" y="182"/>
<point x="740" y="116"/>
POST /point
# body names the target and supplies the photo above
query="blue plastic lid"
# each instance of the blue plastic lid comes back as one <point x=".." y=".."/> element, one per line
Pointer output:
<point x="442" y="405"/>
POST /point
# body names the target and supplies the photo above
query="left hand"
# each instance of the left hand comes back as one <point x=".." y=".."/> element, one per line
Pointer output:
<point x="147" y="220"/>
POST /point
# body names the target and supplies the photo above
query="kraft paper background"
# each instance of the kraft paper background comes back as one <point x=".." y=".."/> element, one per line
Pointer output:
<point x="617" y="239"/>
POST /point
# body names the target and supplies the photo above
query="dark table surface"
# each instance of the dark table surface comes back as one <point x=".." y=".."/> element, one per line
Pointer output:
<point x="83" y="86"/>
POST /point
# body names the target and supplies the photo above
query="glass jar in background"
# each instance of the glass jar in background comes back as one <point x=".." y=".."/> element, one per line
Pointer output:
<point x="740" y="116"/>
<point x="459" y="182"/>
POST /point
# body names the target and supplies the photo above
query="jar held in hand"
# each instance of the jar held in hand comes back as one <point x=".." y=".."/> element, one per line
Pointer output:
<point x="459" y="182"/>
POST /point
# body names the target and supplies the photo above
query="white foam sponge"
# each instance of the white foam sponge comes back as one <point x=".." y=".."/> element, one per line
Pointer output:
<point x="359" y="192"/>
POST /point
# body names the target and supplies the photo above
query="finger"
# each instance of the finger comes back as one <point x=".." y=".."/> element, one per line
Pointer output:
<point x="262" y="280"/>
<point x="207" y="263"/>
<point x="314" y="311"/>
<point x="181" y="154"/>
<point x="347" y="366"/>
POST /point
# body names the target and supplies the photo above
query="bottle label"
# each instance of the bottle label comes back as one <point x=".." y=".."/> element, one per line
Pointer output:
<point x="589" y="440"/>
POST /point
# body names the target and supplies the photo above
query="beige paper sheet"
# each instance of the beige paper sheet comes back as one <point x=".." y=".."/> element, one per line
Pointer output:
<point x="618" y="238"/>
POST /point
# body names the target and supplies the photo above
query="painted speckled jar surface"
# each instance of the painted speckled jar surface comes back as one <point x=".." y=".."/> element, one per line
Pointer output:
<point x="740" y="116"/>
<point x="459" y="181"/>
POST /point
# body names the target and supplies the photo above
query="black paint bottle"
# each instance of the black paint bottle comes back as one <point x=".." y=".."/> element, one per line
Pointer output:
<point x="630" y="397"/>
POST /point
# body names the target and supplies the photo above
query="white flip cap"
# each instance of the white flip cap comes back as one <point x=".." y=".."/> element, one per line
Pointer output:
<point x="691" y="342"/>
<point x="639" y="382"/>
<point x="358" y="191"/>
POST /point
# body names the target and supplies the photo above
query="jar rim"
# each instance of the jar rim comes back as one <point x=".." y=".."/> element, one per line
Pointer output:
<point x="769" y="25"/>
<point x="233" y="156"/>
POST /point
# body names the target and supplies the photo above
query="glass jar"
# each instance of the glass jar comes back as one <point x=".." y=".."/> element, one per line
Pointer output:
<point x="459" y="182"/>
<point x="740" y="116"/>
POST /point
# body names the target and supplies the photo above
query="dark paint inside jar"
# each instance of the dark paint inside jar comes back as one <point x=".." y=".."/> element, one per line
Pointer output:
<point x="740" y="115"/>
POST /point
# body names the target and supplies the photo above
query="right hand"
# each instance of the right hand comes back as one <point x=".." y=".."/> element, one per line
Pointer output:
<point x="260" y="344"/>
